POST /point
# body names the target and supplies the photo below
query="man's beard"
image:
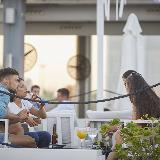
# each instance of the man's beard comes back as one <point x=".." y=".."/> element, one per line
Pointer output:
<point x="12" y="91"/>
<point x="12" y="96"/>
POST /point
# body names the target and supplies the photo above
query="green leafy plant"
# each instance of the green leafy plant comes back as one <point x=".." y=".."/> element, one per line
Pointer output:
<point x="105" y="128"/>
<point x="139" y="142"/>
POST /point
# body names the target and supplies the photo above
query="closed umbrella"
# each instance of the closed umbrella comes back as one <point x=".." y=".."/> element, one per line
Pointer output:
<point x="132" y="57"/>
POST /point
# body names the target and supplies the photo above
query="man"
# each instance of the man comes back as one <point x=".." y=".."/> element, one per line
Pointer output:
<point x="35" y="94"/>
<point x="35" y="89"/>
<point x="9" y="80"/>
<point x="63" y="96"/>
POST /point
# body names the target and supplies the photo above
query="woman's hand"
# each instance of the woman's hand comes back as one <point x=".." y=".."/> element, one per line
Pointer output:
<point x="23" y="115"/>
<point x="31" y="122"/>
<point x="37" y="120"/>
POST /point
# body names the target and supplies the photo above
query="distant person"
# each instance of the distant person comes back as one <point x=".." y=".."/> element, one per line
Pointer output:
<point x="35" y="89"/>
<point x="63" y="96"/>
<point x="35" y="93"/>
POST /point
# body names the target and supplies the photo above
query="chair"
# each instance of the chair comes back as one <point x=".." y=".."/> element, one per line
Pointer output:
<point x="6" y="123"/>
<point x="65" y="122"/>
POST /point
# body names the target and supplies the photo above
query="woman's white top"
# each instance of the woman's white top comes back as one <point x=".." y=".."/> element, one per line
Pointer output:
<point x="13" y="108"/>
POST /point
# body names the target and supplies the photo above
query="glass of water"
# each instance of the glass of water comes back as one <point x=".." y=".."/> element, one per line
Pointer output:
<point x="92" y="133"/>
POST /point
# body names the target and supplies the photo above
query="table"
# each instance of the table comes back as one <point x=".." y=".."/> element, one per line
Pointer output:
<point x="49" y="154"/>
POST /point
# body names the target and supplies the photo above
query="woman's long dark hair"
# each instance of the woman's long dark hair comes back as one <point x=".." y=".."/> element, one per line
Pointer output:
<point x="146" y="102"/>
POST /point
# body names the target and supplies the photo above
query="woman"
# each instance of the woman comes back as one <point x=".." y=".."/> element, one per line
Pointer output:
<point x="145" y="102"/>
<point x="42" y="138"/>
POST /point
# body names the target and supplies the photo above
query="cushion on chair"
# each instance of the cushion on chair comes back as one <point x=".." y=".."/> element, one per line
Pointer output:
<point x="125" y="114"/>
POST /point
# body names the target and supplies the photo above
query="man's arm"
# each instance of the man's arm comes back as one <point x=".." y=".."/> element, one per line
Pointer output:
<point x="20" y="117"/>
<point x="13" y="118"/>
<point x="5" y="115"/>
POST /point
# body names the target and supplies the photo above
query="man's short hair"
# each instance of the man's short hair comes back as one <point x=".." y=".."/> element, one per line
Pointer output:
<point x="4" y="72"/>
<point x="35" y="86"/>
<point x="63" y="92"/>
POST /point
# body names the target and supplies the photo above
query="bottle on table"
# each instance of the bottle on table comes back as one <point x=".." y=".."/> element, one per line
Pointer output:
<point x="54" y="135"/>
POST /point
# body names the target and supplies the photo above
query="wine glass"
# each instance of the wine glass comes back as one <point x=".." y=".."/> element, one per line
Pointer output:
<point x="92" y="133"/>
<point x="81" y="134"/>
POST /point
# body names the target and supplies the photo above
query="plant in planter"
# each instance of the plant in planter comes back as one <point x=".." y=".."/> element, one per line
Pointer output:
<point x="139" y="143"/>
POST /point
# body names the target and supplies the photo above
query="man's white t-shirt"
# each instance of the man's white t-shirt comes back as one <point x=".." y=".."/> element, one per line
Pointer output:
<point x="13" y="108"/>
<point x="62" y="107"/>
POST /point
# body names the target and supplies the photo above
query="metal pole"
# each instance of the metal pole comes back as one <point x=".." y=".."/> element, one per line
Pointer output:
<point x="14" y="29"/>
<point x="88" y="80"/>
<point x="83" y="49"/>
<point x="81" y="52"/>
<point x="100" y="34"/>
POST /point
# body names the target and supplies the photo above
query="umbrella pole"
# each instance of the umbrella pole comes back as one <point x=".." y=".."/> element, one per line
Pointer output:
<point x="100" y="34"/>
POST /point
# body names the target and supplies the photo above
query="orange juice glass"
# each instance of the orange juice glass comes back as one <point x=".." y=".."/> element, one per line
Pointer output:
<point x="81" y="134"/>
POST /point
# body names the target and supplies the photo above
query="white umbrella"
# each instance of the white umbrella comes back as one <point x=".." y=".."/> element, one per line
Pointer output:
<point x="132" y="57"/>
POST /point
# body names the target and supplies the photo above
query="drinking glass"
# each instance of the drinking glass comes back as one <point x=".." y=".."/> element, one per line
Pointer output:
<point x="81" y="134"/>
<point x="92" y="133"/>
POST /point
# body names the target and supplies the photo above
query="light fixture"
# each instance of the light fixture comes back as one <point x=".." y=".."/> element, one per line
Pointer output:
<point x="9" y="60"/>
<point x="10" y="15"/>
